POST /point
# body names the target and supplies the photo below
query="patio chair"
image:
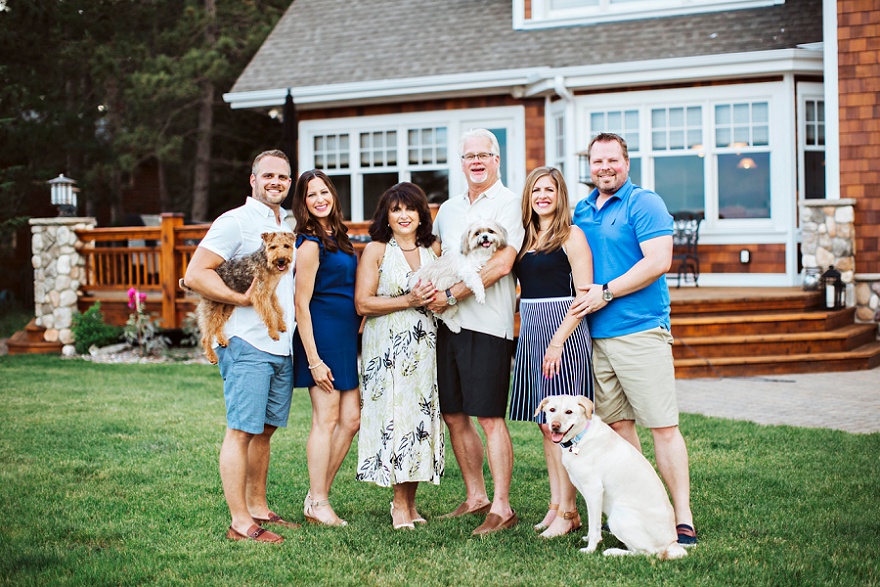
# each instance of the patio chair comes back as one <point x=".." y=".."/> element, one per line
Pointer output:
<point x="685" y="237"/>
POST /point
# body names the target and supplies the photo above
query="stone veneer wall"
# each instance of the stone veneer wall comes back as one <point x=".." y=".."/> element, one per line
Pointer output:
<point x="59" y="270"/>
<point x="828" y="238"/>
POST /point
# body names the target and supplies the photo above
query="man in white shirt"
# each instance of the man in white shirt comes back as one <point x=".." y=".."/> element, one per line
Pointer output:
<point x="473" y="366"/>
<point x="257" y="371"/>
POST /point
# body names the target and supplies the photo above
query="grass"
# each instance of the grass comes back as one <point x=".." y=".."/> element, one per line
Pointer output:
<point x="109" y="477"/>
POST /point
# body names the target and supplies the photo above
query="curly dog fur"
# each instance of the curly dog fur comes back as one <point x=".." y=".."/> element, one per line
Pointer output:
<point x="266" y="265"/>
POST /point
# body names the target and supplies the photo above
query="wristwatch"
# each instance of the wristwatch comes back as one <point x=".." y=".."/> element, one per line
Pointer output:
<point x="607" y="294"/>
<point x="450" y="299"/>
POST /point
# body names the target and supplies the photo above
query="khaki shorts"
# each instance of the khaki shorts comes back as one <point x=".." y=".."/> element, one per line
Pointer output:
<point x="635" y="378"/>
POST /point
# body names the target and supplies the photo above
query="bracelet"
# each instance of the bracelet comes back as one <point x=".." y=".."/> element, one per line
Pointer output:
<point x="559" y="346"/>
<point x="316" y="365"/>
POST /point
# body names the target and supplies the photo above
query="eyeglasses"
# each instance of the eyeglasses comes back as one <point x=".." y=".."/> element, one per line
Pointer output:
<point x="481" y="156"/>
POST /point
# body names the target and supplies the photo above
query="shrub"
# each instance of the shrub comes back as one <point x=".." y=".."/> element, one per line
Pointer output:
<point x="89" y="328"/>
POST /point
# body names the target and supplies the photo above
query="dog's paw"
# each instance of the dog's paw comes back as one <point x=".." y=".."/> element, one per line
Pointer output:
<point x="452" y="325"/>
<point x="589" y="549"/>
<point x="273" y="334"/>
<point x="282" y="327"/>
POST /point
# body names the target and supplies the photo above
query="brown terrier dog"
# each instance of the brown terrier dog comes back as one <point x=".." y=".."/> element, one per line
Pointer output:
<point x="267" y="265"/>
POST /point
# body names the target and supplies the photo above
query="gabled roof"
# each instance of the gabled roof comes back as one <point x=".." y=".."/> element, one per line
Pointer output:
<point x="328" y="42"/>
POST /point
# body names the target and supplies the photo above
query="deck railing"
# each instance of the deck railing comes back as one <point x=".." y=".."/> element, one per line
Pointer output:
<point x="151" y="259"/>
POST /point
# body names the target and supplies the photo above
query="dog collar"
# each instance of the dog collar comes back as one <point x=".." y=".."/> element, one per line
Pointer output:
<point x="576" y="439"/>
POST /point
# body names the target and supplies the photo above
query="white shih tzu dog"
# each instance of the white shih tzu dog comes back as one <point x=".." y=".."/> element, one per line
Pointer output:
<point x="478" y="243"/>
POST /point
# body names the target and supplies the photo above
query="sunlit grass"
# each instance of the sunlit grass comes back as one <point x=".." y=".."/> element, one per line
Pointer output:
<point x="109" y="477"/>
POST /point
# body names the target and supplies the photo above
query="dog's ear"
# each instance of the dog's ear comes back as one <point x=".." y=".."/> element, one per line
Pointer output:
<point x="541" y="405"/>
<point x="587" y="405"/>
<point x="465" y="241"/>
<point x="266" y="236"/>
<point x="503" y="232"/>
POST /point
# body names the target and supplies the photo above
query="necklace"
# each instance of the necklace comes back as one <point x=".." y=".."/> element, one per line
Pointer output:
<point x="408" y="250"/>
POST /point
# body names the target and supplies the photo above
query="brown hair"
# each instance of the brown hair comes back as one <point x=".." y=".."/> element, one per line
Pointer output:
<point x="264" y="154"/>
<point x="560" y="226"/>
<point x="411" y="196"/>
<point x="309" y="225"/>
<point x="608" y="137"/>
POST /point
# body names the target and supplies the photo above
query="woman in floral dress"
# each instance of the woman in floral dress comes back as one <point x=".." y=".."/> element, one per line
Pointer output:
<point x="401" y="437"/>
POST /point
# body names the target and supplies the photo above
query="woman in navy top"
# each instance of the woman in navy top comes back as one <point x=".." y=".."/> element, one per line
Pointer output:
<point x="553" y="351"/>
<point x="325" y="341"/>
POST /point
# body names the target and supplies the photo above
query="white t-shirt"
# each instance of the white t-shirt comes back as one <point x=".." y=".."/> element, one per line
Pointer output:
<point x="237" y="233"/>
<point x="495" y="317"/>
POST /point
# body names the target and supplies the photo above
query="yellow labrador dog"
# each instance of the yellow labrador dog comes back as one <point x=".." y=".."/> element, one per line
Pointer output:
<point x="614" y="478"/>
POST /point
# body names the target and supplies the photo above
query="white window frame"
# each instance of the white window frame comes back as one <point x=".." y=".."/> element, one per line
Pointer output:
<point x="543" y="15"/>
<point x="714" y="230"/>
<point x="510" y="118"/>
<point x="808" y="91"/>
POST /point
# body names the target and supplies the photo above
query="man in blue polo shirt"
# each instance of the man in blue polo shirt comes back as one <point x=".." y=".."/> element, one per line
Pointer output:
<point x="630" y="233"/>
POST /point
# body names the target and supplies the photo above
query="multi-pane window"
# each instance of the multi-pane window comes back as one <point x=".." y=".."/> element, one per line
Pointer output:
<point x="710" y="157"/>
<point x="378" y="149"/>
<point x="427" y="146"/>
<point x="331" y="151"/>
<point x="624" y="123"/>
<point x="814" y="148"/>
<point x="559" y="143"/>
<point x="742" y="139"/>
<point x="679" y="170"/>
<point x="543" y="13"/>
<point x="362" y="172"/>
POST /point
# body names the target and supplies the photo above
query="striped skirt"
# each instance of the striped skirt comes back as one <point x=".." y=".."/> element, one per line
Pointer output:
<point x="539" y="319"/>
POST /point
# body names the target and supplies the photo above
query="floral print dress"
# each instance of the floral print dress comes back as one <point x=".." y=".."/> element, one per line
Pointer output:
<point x="401" y="437"/>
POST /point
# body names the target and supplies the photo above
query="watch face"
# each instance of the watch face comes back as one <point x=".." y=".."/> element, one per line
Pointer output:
<point x="607" y="295"/>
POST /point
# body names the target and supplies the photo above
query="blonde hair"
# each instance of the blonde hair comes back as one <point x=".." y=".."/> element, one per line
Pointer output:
<point x="560" y="226"/>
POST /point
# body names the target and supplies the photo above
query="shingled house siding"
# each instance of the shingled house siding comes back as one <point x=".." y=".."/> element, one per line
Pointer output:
<point x="859" y="82"/>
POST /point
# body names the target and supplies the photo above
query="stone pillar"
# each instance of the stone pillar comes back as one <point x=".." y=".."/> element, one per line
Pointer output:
<point x="59" y="270"/>
<point x="867" y="298"/>
<point x="828" y="237"/>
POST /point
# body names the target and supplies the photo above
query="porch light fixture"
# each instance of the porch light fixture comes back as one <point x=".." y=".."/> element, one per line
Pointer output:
<point x="584" y="169"/>
<point x="834" y="288"/>
<point x="64" y="195"/>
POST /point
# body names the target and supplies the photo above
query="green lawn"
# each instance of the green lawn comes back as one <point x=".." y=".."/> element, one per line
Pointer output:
<point x="109" y="477"/>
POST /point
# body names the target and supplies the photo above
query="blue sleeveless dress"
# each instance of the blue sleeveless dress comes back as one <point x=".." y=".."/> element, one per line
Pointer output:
<point x="334" y="320"/>
<point x="546" y="292"/>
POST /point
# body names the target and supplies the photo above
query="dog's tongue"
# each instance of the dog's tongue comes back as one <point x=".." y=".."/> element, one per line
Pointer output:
<point x="556" y="437"/>
<point x="486" y="244"/>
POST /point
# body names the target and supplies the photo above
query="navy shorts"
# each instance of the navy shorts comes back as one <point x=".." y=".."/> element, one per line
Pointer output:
<point x="257" y="386"/>
<point x="473" y="373"/>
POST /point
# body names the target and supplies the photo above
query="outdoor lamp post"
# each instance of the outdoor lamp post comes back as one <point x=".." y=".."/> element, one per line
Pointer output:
<point x="834" y="289"/>
<point x="64" y="195"/>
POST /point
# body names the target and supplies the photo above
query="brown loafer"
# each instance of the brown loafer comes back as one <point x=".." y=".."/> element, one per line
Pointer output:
<point x="495" y="523"/>
<point x="276" y="519"/>
<point x="254" y="533"/>
<point x="462" y="510"/>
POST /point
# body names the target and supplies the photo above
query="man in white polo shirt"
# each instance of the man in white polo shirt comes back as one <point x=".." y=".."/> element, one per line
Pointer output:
<point x="257" y="371"/>
<point x="473" y="367"/>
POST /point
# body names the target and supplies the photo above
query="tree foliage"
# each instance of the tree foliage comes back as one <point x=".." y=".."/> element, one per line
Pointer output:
<point x="102" y="89"/>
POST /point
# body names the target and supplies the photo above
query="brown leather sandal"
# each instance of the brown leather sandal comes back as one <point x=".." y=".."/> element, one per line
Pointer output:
<point x="276" y="519"/>
<point x="254" y="533"/>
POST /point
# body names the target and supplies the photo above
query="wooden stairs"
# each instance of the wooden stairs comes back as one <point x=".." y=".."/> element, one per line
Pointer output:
<point x="30" y="342"/>
<point x="738" y="332"/>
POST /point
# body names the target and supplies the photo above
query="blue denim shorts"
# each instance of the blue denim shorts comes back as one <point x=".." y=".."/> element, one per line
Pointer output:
<point x="257" y="386"/>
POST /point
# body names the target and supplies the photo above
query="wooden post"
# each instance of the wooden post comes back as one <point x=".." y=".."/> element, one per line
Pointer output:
<point x="168" y="267"/>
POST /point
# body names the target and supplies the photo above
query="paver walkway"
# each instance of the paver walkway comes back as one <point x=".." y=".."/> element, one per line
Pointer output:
<point x="847" y="401"/>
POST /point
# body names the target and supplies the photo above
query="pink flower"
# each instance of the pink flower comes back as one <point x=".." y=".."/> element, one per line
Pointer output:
<point x="132" y="292"/>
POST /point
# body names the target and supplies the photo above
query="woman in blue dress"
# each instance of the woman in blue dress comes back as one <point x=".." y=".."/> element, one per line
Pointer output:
<point x="554" y="347"/>
<point x="325" y="340"/>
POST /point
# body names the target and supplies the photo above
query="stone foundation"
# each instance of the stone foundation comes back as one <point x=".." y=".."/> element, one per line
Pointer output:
<point x="59" y="270"/>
